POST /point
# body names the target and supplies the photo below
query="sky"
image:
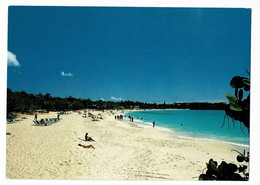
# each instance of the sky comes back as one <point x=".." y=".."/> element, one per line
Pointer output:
<point x="138" y="54"/>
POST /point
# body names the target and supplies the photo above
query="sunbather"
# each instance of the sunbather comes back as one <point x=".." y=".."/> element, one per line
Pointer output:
<point x="86" y="146"/>
<point x="88" y="138"/>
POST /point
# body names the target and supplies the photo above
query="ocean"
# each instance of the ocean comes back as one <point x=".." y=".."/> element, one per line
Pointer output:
<point x="194" y="124"/>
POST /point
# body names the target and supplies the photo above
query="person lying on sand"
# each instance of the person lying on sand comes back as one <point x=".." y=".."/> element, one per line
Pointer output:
<point x="86" y="146"/>
<point x="88" y="138"/>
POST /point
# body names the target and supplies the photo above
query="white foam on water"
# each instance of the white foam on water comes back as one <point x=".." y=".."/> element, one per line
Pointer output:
<point x="209" y="139"/>
<point x="174" y="134"/>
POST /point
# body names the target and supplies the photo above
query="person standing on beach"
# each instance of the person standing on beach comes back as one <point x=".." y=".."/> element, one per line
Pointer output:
<point x="153" y="123"/>
<point x="35" y="116"/>
<point x="58" y="116"/>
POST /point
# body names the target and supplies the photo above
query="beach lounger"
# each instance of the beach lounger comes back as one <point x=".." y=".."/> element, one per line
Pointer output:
<point x="94" y="118"/>
<point x="41" y="123"/>
<point x="10" y="121"/>
<point x="99" y="116"/>
<point x="36" y="122"/>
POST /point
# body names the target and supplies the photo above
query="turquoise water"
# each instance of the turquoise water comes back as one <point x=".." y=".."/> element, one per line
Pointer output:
<point x="200" y="124"/>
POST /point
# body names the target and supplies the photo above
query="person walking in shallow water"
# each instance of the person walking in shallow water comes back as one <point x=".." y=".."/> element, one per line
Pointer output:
<point x="153" y="123"/>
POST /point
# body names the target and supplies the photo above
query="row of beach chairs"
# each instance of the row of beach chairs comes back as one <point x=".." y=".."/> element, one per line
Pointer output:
<point x="51" y="120"/>
<point x="96" y="118"/>
<point x="46" y="121"/>
<point x="62" y="113"/>
<point x="10" y="121"/>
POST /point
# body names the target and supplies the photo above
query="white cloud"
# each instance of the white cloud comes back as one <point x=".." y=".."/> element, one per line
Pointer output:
<point x="116" y="99"/>
<point x="11" y="59"/>
<point x="102" y="99"/>
<point x="66" y="74"/>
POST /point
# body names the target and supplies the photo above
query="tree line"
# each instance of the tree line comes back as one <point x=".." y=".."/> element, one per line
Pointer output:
<point x="28" y="103"/>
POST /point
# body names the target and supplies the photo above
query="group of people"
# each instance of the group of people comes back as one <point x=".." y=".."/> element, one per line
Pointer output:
<point x="131" y="118"/>
<point x="119" y="117"/>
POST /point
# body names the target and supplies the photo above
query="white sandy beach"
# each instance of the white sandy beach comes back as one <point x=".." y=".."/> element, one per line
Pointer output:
<point x="122" y="152"/>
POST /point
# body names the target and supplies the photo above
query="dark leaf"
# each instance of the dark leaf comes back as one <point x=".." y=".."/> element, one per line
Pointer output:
<point x="213" y="164"/>
<point x="209" y="172"/>
<point x="240" y="158"/>
<point x="240" y="94"/>
<point x="246" y="82"/>
<point x="231" y="168"/>
<point x="236" y="91"/>
<point x="205" y="177"/>
<point x="242" y="168"/>
<point x="235" y="108"/>
<point x="222" y="166"/>
<point x="232" y="99"/>
<point x="237" y="82"/>
<point x="236" y="177"/>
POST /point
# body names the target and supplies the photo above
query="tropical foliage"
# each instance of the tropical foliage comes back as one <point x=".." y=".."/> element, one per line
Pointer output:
<point x="226" y="171"/>
<point x="238" y="109"/>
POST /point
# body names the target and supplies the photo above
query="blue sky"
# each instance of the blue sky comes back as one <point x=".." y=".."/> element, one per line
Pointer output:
<point x="143" y="54"/>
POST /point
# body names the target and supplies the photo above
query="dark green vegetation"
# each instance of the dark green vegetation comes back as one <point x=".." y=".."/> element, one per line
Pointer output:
<point x="238" y="109"/>
<point x="226" y="171"/>
<point x="28" y="103"/>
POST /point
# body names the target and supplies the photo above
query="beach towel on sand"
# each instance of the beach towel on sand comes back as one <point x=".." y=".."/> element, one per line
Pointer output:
<point x="83" y="139"/>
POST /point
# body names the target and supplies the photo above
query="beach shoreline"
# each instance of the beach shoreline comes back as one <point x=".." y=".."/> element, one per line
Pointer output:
<point x="122" y="151"/>
<point x="173" y="133"/>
